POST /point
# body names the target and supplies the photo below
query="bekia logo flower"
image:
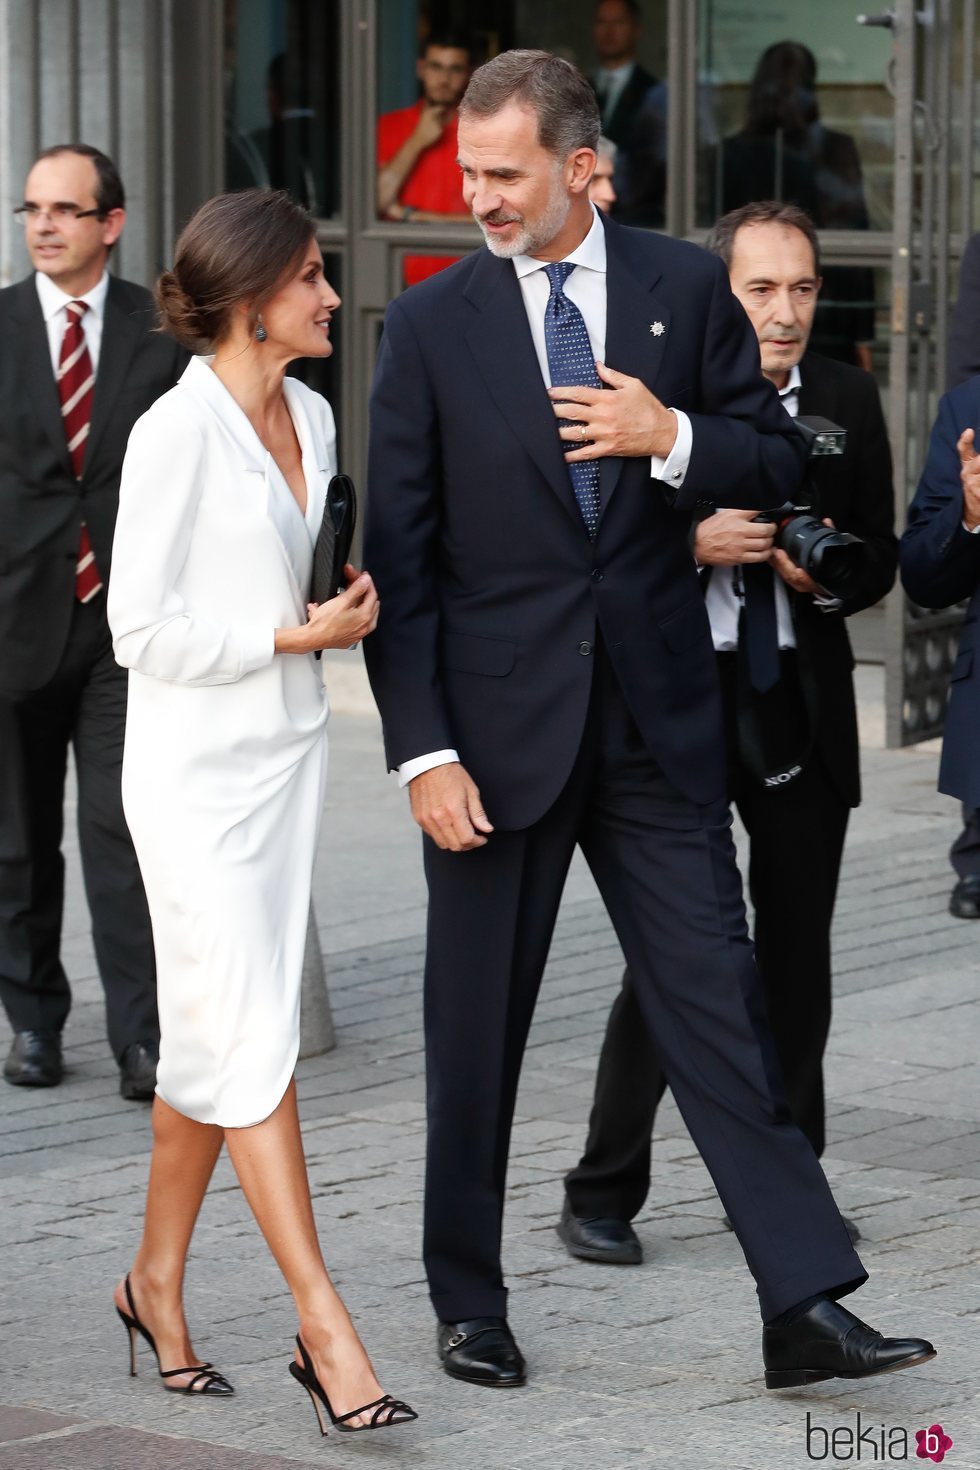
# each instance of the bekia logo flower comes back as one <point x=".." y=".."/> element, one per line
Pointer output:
<point x="932" y="1443"/>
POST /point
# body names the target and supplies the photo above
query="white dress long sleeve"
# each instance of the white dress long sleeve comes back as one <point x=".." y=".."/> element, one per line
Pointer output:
<point x="225" y="759"/>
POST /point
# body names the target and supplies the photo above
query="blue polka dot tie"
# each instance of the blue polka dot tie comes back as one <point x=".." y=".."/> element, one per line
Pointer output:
<point x="571" y="364"/>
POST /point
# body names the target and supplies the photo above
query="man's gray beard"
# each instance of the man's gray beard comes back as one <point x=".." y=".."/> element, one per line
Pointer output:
<point x="529" y="241"/>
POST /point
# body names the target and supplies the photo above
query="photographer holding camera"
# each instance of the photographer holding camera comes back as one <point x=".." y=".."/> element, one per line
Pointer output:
<point x="784" y="662"/>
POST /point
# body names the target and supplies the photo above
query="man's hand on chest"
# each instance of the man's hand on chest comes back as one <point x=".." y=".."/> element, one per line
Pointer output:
<point x="628" y="421"/>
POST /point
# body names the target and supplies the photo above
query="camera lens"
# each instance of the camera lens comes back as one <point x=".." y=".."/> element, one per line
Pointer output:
<point x="834" y="559"/>
<point x="836" y="565"/>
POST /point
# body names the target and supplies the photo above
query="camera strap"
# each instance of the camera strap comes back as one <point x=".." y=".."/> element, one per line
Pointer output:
<point x="757" y="715"/>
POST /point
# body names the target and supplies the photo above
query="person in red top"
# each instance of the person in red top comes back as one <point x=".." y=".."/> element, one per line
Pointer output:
<point x="418" y="176"/>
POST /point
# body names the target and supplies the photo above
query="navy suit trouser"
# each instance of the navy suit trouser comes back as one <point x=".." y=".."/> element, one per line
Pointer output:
<point x="666" y="871"/>
<point x="965" y="851"/>
<point x="796" y="842"/>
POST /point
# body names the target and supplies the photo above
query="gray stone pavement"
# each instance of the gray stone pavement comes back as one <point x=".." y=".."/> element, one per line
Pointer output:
<point x="630" y="1367"/>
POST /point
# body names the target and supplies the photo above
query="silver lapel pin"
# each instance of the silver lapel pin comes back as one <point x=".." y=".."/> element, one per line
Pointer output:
<point x="657" y="328"/>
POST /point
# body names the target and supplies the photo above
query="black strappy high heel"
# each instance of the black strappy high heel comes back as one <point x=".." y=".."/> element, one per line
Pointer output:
<point x="384" y="1411"/>
<point x="213" y="1382"/>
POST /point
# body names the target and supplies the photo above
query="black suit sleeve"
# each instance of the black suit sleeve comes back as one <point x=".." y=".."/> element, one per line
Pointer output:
<point x="404" y="497"/>
<point x="871" y="512"/>
<point x="940" y="560"/>
<point x="964" y="332"/>
<point x="746" y="451"/>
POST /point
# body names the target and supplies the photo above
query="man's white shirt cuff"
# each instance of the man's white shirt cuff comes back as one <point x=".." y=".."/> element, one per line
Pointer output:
<point x="675" y="466"/>
<point x="421" y="763"/>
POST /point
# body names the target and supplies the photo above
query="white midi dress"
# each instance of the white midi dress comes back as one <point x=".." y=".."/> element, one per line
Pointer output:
<point x="225" y="758"/>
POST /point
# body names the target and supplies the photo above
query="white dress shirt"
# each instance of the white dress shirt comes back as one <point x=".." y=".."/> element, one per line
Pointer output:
<point x="586" y="287"/>
<point x="54" y="305"/>
<point x="724" y="597"/>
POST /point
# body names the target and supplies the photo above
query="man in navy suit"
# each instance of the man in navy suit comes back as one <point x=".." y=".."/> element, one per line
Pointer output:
<point x="939" y="557"/>
<point x="546" y="678"/>
<point x="964" y="363"/>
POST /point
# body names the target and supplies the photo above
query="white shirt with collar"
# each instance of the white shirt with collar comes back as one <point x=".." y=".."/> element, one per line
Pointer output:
<point x="586" y="287"/>
<point x="54" y="304"/>
<point x="723" y="598"/>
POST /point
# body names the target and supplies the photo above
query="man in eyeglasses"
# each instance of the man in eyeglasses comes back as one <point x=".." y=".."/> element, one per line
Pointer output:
<point x="80" y="361"/>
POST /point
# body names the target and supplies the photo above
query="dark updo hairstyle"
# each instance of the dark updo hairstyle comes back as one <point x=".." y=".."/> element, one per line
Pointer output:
<point x="236" y="248"/>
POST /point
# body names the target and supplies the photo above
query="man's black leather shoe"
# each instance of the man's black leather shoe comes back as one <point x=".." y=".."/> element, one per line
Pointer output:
<point x="608" y="1240"/>
<point x="138" y="1071"/>
<point x="482" y="1350"/>
<point x="853" y="1233"/>
<point x="34" y="1059"/>
<point x="964" y="901"/>
<point x="828" y="1341"/>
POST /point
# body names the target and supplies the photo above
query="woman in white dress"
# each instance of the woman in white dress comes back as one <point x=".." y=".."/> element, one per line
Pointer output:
<point x="221" y="498"/>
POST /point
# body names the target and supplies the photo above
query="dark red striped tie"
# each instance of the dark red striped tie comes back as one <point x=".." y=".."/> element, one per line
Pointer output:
<point x="76" y="388"/>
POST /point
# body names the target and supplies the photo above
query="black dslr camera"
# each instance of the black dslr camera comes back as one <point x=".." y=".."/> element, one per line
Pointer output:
<point x="834" y="559"/>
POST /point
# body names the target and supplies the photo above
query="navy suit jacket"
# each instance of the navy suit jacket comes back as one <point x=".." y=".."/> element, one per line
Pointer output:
<point x="491" y="592"/>
<point x="940" y="564"/>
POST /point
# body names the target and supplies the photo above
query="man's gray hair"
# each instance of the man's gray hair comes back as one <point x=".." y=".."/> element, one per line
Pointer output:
<point x="553" y="89"/>
<point x="721" y="237"/>
<point x="606" y="148"/>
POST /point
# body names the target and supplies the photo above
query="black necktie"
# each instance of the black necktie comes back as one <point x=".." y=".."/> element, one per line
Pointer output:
<point x="761" y="631"/>
<point x="761" y="636"/>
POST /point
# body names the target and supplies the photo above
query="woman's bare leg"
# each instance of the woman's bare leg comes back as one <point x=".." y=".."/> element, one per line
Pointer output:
<point x="182" y="1162"/>
<point x="271" y="1168"/>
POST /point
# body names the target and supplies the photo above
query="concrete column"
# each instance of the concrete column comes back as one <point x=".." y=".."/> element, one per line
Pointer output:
<point x="140" y="79"/>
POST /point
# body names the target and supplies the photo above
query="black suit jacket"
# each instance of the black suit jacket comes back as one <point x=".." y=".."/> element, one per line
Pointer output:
<point x="856" y="491"/>
<point x="42" y="506"/>
<point x="619" y="128"/>
<point x="491" y="592"/>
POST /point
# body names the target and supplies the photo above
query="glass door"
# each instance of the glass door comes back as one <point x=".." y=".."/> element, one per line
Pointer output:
<point x="933" y="217"/>
<point x="412" y="61"/>
<point x="866" y="121"/>
<point x="705" y="103"/>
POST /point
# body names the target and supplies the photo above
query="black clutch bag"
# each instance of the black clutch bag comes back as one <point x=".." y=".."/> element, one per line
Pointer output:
<point x="333" y="544"/>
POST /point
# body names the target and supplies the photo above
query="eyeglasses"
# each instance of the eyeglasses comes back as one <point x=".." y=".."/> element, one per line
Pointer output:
<point x="58" y="214"/>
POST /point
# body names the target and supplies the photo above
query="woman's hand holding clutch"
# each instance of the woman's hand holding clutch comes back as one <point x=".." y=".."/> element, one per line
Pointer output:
<point x="340" y="623"/>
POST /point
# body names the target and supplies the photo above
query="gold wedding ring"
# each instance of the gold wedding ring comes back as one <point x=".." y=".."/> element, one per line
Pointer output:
<point x="581" y="432"/>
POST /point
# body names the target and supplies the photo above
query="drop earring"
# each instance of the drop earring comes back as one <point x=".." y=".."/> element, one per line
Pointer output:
<point x="260" y="332"/>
